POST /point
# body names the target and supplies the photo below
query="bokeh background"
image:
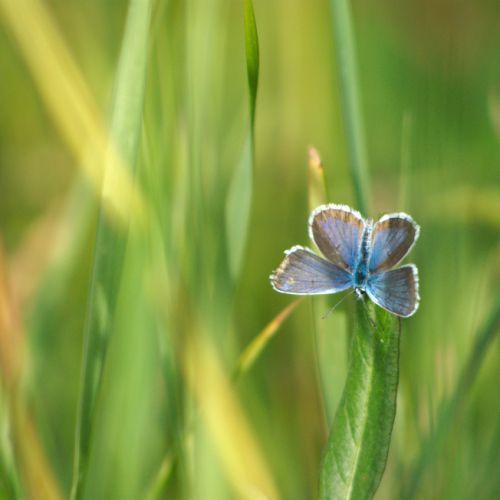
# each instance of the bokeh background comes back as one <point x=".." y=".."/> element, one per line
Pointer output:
<point x="169" y="421"/>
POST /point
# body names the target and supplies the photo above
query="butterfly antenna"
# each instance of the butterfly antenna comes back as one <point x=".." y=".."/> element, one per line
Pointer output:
<point x="337" y="304"/>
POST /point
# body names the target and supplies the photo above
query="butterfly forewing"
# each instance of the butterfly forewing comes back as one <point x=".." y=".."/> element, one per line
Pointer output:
<point x="337" y="232"/>
<point x="392" y="238"/>
<point x="396" y="290"/>
<point x="302" y="272"/>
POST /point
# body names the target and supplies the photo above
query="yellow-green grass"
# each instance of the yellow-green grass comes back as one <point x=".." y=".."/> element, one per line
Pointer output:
<point x="169" y="420"/>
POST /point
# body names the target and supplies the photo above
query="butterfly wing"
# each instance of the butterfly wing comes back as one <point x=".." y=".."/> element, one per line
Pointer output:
<point x="337" y="231"/>
<point x="302" y="272"/>
<point x="396" y="290"/>
<point x="393" y="237"/>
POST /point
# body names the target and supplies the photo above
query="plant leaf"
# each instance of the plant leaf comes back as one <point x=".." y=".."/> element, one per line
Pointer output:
<point x="361" y="431"/>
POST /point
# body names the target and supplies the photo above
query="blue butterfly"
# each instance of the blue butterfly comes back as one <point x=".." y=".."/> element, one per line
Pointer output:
<point x="360" y="254"/>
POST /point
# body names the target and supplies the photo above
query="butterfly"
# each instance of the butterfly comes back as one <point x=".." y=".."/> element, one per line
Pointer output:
<point x="360" y="254"/>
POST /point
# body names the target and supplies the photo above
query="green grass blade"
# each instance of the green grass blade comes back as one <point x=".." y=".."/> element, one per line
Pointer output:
<point x="124" y="449"/>
<point x="259" y="343"/>
<point x="109" y="250"/>
<point x="238" y="208"/>
<point x="252" y="54"/>
<point x="330" y="338"/>
<point x="239" y="200"/>
<point x="450" y="408"/>
<point x="328" y="328"/>
<point x="9" y="478"/>
<point x="359" y="440"/>
<point x="156" y="489"/>
<point x="351" y="105"/>
<point x="404" y="176"/>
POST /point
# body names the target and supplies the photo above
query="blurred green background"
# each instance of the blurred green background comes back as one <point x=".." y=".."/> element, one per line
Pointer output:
<point x="168" y="420"/>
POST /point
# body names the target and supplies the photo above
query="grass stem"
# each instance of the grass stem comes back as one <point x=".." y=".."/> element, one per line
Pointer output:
<point x="125" y="127"/>
<point x="351" y="102"/>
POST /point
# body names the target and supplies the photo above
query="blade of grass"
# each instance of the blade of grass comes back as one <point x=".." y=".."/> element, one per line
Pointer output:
<point x="238" y="208"/>
<point x="404" y="176"/>
<point x="328" y="336"/>
<point x="38" y="477"/>
<point x="157" y="487"/>
<point x="9" y="480"/>
<point x="10" y="361"/>
<point x="223" y="416"/>
<point x="450" y="408"/>
<point x="239" y="199"/>
<point x="11" y="335"/>
<point x="31" y="462"/>
<point x="124" y="437"/>
<point x="359" y="440"/>
<point x="317" y="185"/>
<point x="258" y="344"/>
<point x="110" y="243"/>
<point x="252" y="55"/>
<point x="350" y="100"/>
<point x="70" y="103"/>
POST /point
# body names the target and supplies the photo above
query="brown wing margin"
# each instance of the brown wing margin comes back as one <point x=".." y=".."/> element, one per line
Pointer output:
<point x="337" y="231"/>
<point x="393" y="237"/>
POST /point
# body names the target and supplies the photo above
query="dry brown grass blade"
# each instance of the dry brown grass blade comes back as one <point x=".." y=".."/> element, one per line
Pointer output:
<point x="39" y="247"/>
<point x="39" y="480"/>
<point x="34" y="467"/>
<point x="317" y="186"/>
<point x="11" y="338"/>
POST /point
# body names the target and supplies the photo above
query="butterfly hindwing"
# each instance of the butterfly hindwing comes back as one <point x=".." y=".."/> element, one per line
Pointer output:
<point x="302" y="272"/>
<point x="395" y="290"/>
<point x="392" y="238"/>
<point x="337" y="232"/>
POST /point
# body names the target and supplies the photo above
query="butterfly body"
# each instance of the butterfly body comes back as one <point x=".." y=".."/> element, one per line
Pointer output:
<point x="360" y="275"/>
<point x="359" y="254"/>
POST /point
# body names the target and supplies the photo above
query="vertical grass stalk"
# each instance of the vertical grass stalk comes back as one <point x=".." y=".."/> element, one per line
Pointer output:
<point x="125" y="126"/>
<point x="252" y="56"/>
<point x="238" y="203"/>
<point x="351" y="103"/>
<point x="359" y="439"/>
<point x="450" y="408"/>
<point x="324" y="324"/>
